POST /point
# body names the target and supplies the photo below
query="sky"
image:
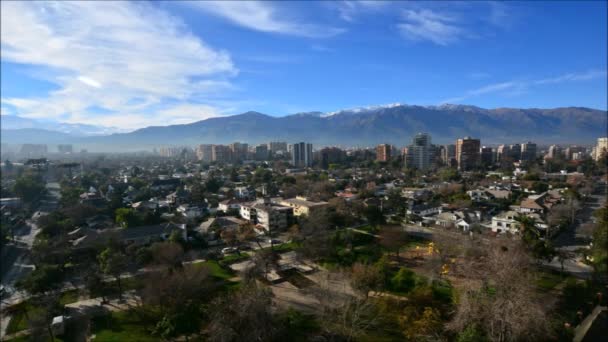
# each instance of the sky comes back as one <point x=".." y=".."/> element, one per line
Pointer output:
<point x="137" y="64"/>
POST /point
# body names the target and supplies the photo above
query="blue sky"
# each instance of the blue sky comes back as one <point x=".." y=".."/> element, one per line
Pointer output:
<point x="135" y="64"/>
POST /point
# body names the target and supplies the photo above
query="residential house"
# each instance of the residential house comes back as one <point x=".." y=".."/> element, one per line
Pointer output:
<point x="506" y="222"/>
<point x="303" y="206"/>
<point x="191" y="212"/>
<point x="229" y="204"/>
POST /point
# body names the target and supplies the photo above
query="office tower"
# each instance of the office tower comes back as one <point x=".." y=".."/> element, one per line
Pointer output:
<point x="383" y="152"/>
<point x="601" y="148"/>
<point x="301" y="154"/>
<point x="331" y="155"/>
<point x="33" y="150"/>
<point x="528" y="151"/>
<point x="487" y="156"/>
<point x="554" y="152"/>
<point x="571" y="150"/>
<point x="420" y="152"/>
<point x="277" y="146"/>
<point x="221" y="153"/>
<point x="239" y="151"/>
<point x="503" y="152"/>
<point x="65" y="149"/>
<point x="515" y="151"/>
<point x="448" y="152"/>
<point x="204" y="152"/>
<point x="261" y="152"/>
<point x="467" y="153"/>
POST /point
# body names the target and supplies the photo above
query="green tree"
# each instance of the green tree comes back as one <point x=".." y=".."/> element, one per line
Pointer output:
<point x="404" y="280"/>
<point x="127" y="217"/>
<point x="44" y="279"/>
<point x="113" y="262"/>
<point x="30" y="188"/>
<point x="599" y="250"/>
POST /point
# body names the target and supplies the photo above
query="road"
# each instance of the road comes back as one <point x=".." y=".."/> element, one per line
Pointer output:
<point x="578" y="236"/>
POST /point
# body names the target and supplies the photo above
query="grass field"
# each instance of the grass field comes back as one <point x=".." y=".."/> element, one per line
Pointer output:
<point x="118" y="327"/>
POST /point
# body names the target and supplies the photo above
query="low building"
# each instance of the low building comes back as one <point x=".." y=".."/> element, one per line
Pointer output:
<point x="506" y="222"/>
<point x="191" y="212"/>
<point x="229" y="204"/>
<point x="303" y="206"/>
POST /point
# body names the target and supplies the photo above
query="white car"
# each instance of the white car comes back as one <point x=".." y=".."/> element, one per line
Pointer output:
<point x="229" y="250"/>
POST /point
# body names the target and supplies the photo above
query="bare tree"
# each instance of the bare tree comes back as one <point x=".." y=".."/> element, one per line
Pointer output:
<point x="244" y="315"/>
<point x="500" y="295"/>
<point x="393" y="238"/>
<point x="340" y="311"/>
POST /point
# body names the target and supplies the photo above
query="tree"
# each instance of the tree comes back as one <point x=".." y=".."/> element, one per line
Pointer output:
<point x="113" y="262"/>
<point x="599" y="249"/>
<point x="404" y="280"/>
<point x="167" y="254"/>
<point x="393" y="238"/>
<point x="374" y="215"/>
<point x="44" y="279"/>
<point x="95" y="285"/>
<point x="127" y="217"/>
<point x="179" y="298"/>
<point x="365" y="278"/>
<point x="500" y="296"/>
<point x="244" y="315"/>
<point x="30" y="188"/>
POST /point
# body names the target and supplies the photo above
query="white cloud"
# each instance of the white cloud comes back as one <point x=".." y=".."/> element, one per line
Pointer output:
<point x="265" y="17"/>
<point x="89" y="81"/>
<point x="425" y="24"/>
<point x="516" y="88"/>
<point x="581" y="76"/>
<point x="130" y="56"/>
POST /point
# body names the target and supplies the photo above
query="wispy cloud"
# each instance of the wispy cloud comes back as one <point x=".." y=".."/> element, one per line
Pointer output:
<point x="519" y="87"/>
<point x="265" y="17"/>
<point x="349" y="10"/>
<point x="425" y="24"/>
<point x="582" y="76"/>
<point x="121" y="56"/>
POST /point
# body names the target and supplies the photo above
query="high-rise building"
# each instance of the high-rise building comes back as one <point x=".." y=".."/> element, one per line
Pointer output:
<point x="277" y="146"/>
<point x="601" y="148"/>
<point x="420" y="152"/>
<point x="204" y="152"/>
<point x="515" y="151"/>
<point x="221" y="153"/>
<point x="503" y="152"/>
<point x="448" y="153"/>
<point x="554" y="152"/>
<point x="528" y="151"/>
<point x="487" y="156"/>
<point x="65" y="148"/>
<point x="301" y="154"/>
<point x="239" y="151"/>
<point x="34" y="150"/>
<point x="383" y="152"/>
<point x="261" y="152"/>
<point x="571" y="150"/>
<point x="467" y="153"/>
<point x="331" y="155"/>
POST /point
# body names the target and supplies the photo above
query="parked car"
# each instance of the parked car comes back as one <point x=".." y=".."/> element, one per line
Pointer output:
<point x="229" y="250"/>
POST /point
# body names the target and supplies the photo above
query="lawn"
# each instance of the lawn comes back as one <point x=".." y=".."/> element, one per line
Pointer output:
<point x="19" y="319"/>
<point x="547" y="281"/>
<point x="118" y="327"/>
<point x="234" y="258"/>
<point x="216" y="270"/>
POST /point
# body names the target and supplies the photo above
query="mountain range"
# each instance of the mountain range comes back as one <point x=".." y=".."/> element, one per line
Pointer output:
<point x="395" y="124"/>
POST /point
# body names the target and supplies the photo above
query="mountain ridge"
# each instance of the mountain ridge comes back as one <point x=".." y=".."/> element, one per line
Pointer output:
<point x="394" y="123"/>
